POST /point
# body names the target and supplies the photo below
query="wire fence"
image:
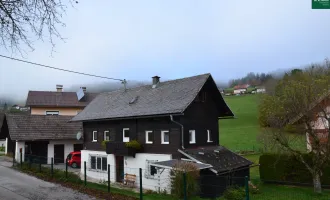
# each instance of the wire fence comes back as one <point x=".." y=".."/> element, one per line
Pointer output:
<point x="151" y="181"/>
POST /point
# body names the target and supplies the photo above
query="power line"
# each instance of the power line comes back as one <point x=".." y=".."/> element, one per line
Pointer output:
<point x="75" y="72"/>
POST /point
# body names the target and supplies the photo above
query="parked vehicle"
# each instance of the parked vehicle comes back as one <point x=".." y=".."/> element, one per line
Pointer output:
<point x="74" y="159"/>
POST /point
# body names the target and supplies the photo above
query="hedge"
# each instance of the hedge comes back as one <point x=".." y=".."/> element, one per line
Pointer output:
<point x="286" y="169"/>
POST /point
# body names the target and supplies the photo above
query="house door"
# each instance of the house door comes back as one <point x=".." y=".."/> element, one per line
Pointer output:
<point x="77" y="147"/>
<point x="119" y="168"/>
<point x="59" y="153"/>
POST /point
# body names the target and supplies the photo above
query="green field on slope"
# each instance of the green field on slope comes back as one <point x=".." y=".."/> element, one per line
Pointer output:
<point x="241" y="133"/>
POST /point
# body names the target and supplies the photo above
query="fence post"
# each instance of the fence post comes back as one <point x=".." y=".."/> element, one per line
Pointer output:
<point x="13" y="159"/>
<point x="184" y="186"/>
<point x="40" y="165"/>
<point x="141" y="192"/>
<point x="21" y="159"/>
<point x="108" y="177"/>
<point x="85" y="181"/>
<point x="52" y="167"/>
<point x="66" y="168"/>
<point x="247" y="194"/>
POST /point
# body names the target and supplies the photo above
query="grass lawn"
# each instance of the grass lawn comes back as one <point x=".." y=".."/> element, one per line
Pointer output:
<point x="241" y="133"/>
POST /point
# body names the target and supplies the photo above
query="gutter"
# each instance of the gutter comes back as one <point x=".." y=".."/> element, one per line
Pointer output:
<point x="182" y="132"/>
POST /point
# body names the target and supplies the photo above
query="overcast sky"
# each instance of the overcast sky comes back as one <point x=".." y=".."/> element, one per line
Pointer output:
<point x="138" y="39"/>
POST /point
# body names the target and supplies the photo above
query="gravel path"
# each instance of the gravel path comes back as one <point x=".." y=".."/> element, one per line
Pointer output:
<point x="18" y="186"/>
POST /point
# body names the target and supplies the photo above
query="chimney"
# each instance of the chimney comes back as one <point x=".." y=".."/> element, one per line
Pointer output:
<point x="83" y="88"/>
<point x="59" y="88"/>
<point x="155" y="81"/>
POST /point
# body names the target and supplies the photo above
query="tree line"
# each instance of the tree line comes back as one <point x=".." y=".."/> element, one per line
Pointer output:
<point x="253" y="79"/>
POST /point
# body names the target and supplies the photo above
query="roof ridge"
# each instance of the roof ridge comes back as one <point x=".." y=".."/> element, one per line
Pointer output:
<point x="148" y="85"/>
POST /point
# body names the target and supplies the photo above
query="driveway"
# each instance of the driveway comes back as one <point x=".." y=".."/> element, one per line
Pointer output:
<point x="18" y="186"/>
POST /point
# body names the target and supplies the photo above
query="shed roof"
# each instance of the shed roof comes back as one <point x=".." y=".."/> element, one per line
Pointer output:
<point x="169" y="97"/>
<point x="41" y="127"/>
<point x="169" y="164"/>
<point x="219" y="157"/>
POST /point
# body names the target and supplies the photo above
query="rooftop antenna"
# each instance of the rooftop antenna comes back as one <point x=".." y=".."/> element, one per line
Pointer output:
<point x="125" y="84"/>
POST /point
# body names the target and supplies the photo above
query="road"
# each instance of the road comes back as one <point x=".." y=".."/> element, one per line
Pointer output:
<point x="18" y="186"/>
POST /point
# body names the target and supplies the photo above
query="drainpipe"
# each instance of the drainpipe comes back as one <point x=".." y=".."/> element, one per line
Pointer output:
<point x="182" y="140"/>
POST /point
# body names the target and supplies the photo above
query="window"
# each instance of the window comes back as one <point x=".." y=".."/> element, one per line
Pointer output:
<point x="165" y="137"/>
<point x="52" y="112"/>
<point x="126" y="135"/>
<point x="94" y="136"/>
<point x="209" y="136"/>
<point x="106" y="135"/>
<point x="98" y="163"/>
<point x="150" y="171"/>
<point x="192" y="139"/>
<point x="149" y="137"/>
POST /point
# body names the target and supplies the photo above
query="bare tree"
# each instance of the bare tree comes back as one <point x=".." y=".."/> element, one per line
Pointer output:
<point x="23" y="20"/>
<point x="300" y="105"/>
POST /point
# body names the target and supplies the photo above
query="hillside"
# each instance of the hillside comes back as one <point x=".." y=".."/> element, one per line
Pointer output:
<point x="241" y="133"/>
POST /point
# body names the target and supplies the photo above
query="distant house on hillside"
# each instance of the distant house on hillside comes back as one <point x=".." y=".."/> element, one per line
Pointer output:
<point x="241" y="89"/>
<point x="260" y="89"/>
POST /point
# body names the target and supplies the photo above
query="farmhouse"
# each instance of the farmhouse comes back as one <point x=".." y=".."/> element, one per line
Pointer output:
<point x="45" y="133"/>
<point x="174" y="121"/>
<point x="320" y="126"/>
<point x="239" y="89"/>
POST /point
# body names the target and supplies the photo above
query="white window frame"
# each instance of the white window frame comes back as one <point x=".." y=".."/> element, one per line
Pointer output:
<point x="125" y="139"/>
<point x="93" y="140"/>
<point x="147" y="137"/>
<point x="105" y="135"/>
<point x="193" y="136"/>
<point x="97" y="156"/>
<point x="209" y="136"/>
<point x="52" y="111"/>
<point x="163" y="138"/>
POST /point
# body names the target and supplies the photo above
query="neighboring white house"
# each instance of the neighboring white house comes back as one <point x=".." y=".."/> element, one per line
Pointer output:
<point x="261" y="90"/>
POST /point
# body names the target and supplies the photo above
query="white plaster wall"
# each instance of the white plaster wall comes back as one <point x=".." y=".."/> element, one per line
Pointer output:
<point x="96" y="175"/>
<point x="19" y="144"/>
<point x="6" y="146"/>
<point x="159" y="182"/>
<point x="68" y="148"/>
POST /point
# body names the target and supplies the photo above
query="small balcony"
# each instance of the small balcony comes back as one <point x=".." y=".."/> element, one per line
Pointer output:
<point x="120" y="149"/>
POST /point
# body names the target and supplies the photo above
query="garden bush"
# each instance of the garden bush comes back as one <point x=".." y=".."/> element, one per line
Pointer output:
<point x="234" y="193"/>
<point x="286" y="169"/>
<point x="192" y="175"/>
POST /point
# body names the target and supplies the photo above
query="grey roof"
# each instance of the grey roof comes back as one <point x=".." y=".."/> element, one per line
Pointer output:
<point x="219" y="157"/>
<point x="41" y="127"/>
<point x="169" y="97"/>
<point x="57" y="99"/>
<point x="169" y="164"/>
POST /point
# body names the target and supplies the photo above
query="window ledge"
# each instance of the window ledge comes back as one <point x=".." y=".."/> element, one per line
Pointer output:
<point x="97" y="170"/>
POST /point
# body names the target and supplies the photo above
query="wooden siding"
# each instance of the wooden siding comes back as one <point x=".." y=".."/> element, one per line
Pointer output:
<point x="203" y="116"/>
<point x="137" y="131"/>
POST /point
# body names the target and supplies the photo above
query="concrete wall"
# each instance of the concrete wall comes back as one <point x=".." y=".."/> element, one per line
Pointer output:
<point x="97" y="175"/>
<point x="68" y="147"/>
<point x="63" y="111"/>
<point x="19" y="144"/>
<point x="158" y="182"/>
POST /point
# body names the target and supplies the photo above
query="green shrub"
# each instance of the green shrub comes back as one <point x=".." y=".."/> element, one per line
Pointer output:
<point x="287" y="169"/>
<point x="133" y="144"/>
<point x="104" y="143"/>
<point x="2" y="148"/>
<point x="234" y="193"/>
<point x="177" y="185"/>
